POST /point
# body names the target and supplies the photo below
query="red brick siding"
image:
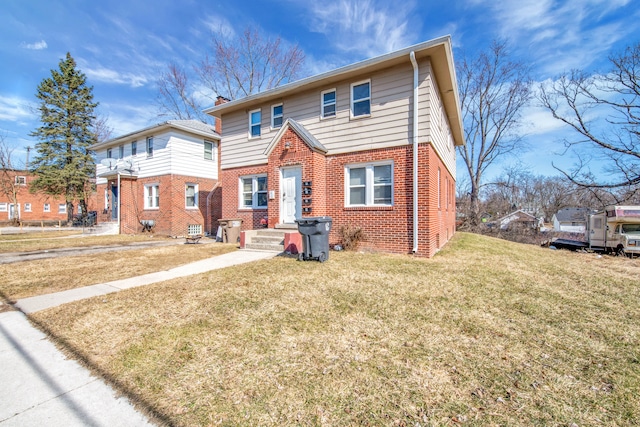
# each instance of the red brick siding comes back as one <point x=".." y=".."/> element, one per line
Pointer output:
<point x="172" y="218"/>
<point x="388" y="229"/>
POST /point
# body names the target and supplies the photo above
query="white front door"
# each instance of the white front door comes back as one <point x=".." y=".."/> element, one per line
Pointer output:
<point x="290" y="195"/>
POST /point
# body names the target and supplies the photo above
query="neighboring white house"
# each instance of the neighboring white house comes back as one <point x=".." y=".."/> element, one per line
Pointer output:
<point x="518" y="218"/>
<point x="572" y="220"/>
<point x="162" y="177"/>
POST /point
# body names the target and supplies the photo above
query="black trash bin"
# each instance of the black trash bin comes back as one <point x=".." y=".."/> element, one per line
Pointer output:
<point x="315" y="237"/>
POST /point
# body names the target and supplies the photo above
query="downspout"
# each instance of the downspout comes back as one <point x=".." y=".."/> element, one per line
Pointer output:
<point x="412" y="56"/>
<point x="119" y="204"/>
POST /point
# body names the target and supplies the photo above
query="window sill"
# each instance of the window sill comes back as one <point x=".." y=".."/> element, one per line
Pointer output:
<point x="151" y="209"/>
<point x="245" y="209"/>
<point x="369" y="208"/>
<point x="362" y="116"/>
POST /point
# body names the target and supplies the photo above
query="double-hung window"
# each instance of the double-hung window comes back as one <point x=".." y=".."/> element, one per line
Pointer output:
<point x="62" y="208"/>
<point x="21" y="180"/>
<point x="361" y="99"/>
<point x="328" y="99"/>
<point x="3" y="207"/>
<point x="276" y="116"/>
<point x="151" y="196"/>
<point x="208" y="150"/>
<point x="369" y="184"/>
<point x="191" y="195"/>
<point x="255" y="122"/>
<point x="121" y="152"/>
<point x="134" y="148"/>
<point x="27" y="207"/>
<point x="46" y="207"/>
<point x="253" y="192"/>
<point x="150" y="146"/>
<point x="109" y="153"/>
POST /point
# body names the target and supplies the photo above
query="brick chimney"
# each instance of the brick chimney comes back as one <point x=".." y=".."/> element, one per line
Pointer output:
<point x="219" y="101"/>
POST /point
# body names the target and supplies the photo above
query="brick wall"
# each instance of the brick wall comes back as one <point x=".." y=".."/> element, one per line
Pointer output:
<point x="172" y="218"/>
<point x="37" y="201"/>
<point x="388" y="229"/>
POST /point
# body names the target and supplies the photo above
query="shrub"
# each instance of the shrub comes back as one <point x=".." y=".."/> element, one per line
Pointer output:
<point x="351" y="237"/>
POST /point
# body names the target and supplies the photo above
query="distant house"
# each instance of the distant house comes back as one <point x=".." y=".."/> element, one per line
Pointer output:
<point x="164" y="178"/>
<point x="572" y="220"/>
<point x="32" y="208"/>
<point x="372" y="145"/>
<point x="518" y="218"/>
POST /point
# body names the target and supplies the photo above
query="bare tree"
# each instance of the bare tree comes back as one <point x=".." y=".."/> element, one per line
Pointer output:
<point x="604" y="111"/>
<point x="9" y="181"/>
<point x="235" y="67"/>
<point x="101" y="128"/>
<point x="493" y="91"/>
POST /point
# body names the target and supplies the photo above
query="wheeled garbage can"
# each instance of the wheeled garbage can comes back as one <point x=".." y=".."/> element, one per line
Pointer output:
<point x="315" y="237"/>
<point x="230" y="230"/>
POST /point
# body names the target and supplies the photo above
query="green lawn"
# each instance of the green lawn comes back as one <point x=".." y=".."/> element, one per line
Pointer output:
<point x="488" y="332"/>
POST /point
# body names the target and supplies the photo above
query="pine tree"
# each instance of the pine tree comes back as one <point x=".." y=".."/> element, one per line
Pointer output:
<point x="64" y="165"/>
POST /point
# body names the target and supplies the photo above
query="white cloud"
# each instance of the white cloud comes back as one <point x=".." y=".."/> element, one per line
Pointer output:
<point x="369" y="27"/>
<point x="14" y="109"/>
<point x="220" y="26"/>
<point x="35" y="46"/>
<point x="112" y="76"/>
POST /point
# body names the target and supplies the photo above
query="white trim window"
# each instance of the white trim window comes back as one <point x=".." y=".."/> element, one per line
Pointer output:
<point x="277" y="114"/>
<point x="191" y="196"/>
<point x="369" y="184"/>
<point x="121" y="152"/>
<point x="134" y="148"/>
<point x="208" y="150"/>
<point x="328" y="103"/>
<point x="109" y="153"/>
<point x="150" y="146"/>
<point x="27" y="207"/>
<point x="20" y="180"/>
<point x="152" y="196"/>
<point x="46" y="207"/>
<point x="3" y="207"/>
<point x="255" y="122"/>
<point x="62" y="208"/>
<point x="253" y="192"/>
<point x="361" y="99"/>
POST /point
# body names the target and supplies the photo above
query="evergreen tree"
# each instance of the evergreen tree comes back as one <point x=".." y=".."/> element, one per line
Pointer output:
<point x="64" y="165"/>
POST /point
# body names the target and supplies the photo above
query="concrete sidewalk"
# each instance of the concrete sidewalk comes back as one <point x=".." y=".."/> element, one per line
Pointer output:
<point x="40" y="387"/>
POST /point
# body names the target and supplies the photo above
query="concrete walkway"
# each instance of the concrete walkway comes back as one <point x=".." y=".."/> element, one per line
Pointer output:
<point x="40" y="387"/>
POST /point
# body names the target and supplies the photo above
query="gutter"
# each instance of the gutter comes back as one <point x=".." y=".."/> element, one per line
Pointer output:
<point x="412" y="57"/>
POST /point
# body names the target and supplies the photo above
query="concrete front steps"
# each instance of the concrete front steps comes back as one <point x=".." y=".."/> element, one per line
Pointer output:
<point x="268" y="239"/>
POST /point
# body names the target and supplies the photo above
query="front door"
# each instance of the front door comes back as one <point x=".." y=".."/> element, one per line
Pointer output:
<point x="114" y="202"/>
<point x="291" y="195"/>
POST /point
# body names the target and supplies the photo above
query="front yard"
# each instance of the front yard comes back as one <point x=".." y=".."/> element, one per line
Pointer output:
<point x="486" y="333"/>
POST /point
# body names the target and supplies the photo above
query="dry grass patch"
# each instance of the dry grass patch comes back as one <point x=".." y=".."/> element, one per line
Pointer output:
<point x="53" y="240"/>
<point x="486" y="333"/>
<point x="30" y="278"/>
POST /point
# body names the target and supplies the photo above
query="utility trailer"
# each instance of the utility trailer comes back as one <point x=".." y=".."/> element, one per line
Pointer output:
<point x="615" y="229"/>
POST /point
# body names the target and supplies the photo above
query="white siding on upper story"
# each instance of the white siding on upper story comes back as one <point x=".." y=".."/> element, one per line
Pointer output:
<point x="440" y="131"/>
<point x="389" y="125"/>
<point x="174" y="152"/>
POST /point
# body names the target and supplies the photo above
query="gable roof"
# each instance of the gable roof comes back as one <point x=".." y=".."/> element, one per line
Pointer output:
<point x="442" y="65"/>
<point x="573" y="214"/>
<point x="302" y="132"/>
<point x="192" y="126"/>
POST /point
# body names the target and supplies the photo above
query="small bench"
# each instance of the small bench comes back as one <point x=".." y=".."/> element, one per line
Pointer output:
<point x="195" y="238"/>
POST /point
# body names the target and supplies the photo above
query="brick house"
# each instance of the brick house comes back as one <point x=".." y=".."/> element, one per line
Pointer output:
<point x="371" y="145"/>
<point x="164" y="178"/>
<point x="32" y="208"/>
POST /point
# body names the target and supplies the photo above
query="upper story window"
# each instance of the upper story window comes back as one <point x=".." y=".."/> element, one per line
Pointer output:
<point x="21" y="180"/>
<point x="208" y="150"/>
<point x="134" y="148"/>
<point x="27" y="207"/>
<point x="276" y="116"/>
<point x="191" y="195"/>
<point x="253" y="192"/>
<point x="46" y="207"/>
<point x="255" y="121"/>
<point x="121" y="152"/>
<point x="109" y="153"/>
<point x="361" y="99"/>
<point x="328" y="107"/>
<point x="150" y="146"/>
<point x="151" y="196"/>
<point x="369" y="184"/>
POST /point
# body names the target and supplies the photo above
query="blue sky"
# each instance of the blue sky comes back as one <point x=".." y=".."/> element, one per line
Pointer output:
<point x="122" y="46"/>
